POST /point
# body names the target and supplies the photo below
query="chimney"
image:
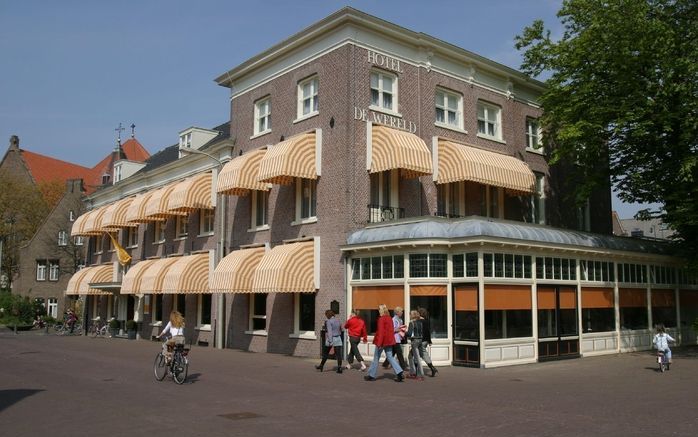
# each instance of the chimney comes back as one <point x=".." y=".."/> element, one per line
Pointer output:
<point x="14" y="142"/>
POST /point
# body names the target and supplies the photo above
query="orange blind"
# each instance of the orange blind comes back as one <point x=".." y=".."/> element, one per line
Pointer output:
<point x="663" y="298"/>
<point x="466" y="298"/>
<point x="568" y="298"/>
<point x="597" y="298"/>
<point x="427" y="290"/>
<point x="507" y="297"/>
<point x="546" y="298"/>
<point x="368" y="298"/>
<point x="688" y="298"/>
<point x="633" y="297"/>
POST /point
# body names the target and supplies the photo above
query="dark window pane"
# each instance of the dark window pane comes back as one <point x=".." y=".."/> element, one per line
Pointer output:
<point x="547" y="323"/>
<point x="458" y="266"/>
<point x="539" y="268"/>
<point x="398" y="266"/>
<point x="436" y="306"/>
<point x="568" y="322"/>
<point x="509" y="265"/>
<point x="466" y="326"/>
<point x="527" y="267"/>
<point x="376" y="268"/>
<point x="471" y="264"/>
<point x="633" y="318"/>
<point x="205" y="309"/>
<point x="260" y="304"/>
<point x="498" y="265"/>
<point x="355" y="269"/>
<point x="508" y="324"/>
<point x="598" y="319"/>
<point x="158" y="307"/>
<point x="306" y="311"/>
<point x="182" y="303"/>
<point x="437" y="265"/>
<point x="365" y="268"/>
<point x="488" y="259"/>
<point x="387" y="267"/>
<point x="418" y="265"/>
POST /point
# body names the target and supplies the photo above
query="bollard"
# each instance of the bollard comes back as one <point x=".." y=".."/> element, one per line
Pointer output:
<point x="46" y="327"/>
<point x="15" y="329"/>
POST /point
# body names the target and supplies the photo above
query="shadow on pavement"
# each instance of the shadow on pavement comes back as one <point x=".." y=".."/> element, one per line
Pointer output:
<point x="193" y="378"/>
<point x="11" y="397"/>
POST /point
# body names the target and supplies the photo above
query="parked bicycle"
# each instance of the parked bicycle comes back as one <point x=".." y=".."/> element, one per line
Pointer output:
<point x="100" y="328"/>
<point x="174" y="363"/>
<point x="64" y="328"/>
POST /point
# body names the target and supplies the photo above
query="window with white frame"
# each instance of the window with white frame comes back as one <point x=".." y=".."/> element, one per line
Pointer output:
<point x="596" y="271"/>
<point x="306" y="198"/>
<point x="53" y="270"/>
<point x="384" y="90"/>
<point x="182" y="226"/>
<point x="52" y="307"/>
<point x="492" y="202"/>
<point x="506" y="265"/>
<point x="533" y="136"/>
<point x="117" y="173"/>
<point x="262" y="116"/>
<point x="449" y="109"/>
<point x="538" y="200"/>
<point x="62" y="238"/>
<point x="489" y="120"/>
<point x="71" y="216"/>
<point x="41" y="270"/>
<point x="428" y="265"/>
<point x="79" y="240"/>
<point x="206" y="220"/>
<point x="159" y="232"/>
<point x="450" y="199"/>
<point x="99" y="244"/>
<point x="185" y="140"/>
<point x="258" y="208"/>
<point x="258" y="312"/>
<point x="203" y="318"/>
<point x="377" y="267"/>
<point x="384" y="202"/>
<point x="465" y="265"/>
<point x="564" y="269"/>
<point x="308" y="97"/>
<point x="156" y="310"/>
<point x="131" y="237"/>
<point x="305" y="312"/>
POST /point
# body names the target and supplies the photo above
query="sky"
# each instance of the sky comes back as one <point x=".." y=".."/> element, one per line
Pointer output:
<point x="72" y="70"/>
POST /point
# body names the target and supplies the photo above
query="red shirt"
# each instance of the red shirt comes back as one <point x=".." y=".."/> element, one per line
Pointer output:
<point x="385" y="335"/>
<point x="356" y="328"/>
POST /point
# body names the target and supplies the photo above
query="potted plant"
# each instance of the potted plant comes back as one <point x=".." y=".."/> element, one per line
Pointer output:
<point x="114" y="327"/>
<point x="131" y="329"/>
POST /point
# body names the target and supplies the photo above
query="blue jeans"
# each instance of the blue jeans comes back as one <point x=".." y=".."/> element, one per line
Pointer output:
<point x="377" y="356"/>
<point x="667" y="354"/>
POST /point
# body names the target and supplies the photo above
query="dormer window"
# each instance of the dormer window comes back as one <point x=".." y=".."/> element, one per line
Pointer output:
<point x="106" y="178"/>
<point x="117" y="173"/>
<point x="185" y="140"/>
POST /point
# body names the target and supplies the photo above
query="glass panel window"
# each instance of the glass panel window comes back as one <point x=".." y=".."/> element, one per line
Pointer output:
<point x="204" y="313"/>
<point x="538" y="200"/>
<point x="306" y="312"/>
<point x="157" y="308"/>
<point x="79" y="240"/>
<point x="41" y="270"/>
<point x="307" y="198"/>
<point x="448" y="108"/>
<point x="437" y="265"/>
<point x="437" y="310"/>
<point x="533" y="137"/>
<point x="489" y="120"/>
<point x="262" y="116"/>
<point x="54" y="269"/>
<point x="182" y="226"/>
<point x="99" y="244"/>
<point x="458" y="266"/>
<point x="387" y="267"/>
<point x="376" y="269"/>
<point x="206" y="220"/>
<point x="419" y="265"/>
<point x="260" y="200"/>
<point x="131" y="237"/>
<point x="62" y="238"/>
<point x="159" y="232"/>
<point x="398" y="266"/>
<point x="258" y="311"/>
<point x="308" y="97"/>
<point x="384" y="90"/>
<point x="355" y="269"/>
<point x="471" y="264"/>
<point x="365" y="268"/>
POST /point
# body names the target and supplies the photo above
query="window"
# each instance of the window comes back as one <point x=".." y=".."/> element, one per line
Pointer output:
<point x="53" y="270"/>
<point x="633" y="309"/>
<point x="308" y="97"/>
<point x="384" y="91"/>
<point x="465" y="265"/>
<point x="450" y="200"/>
<point x="505" y="265"/>
<point x="204" y="311"/>
<point x="185" y="140"/>
<point x="533" y="137"/>
<point x="598" y="313"/>
<point x="305" y="312"/>
<point x="492" y="202"/>
<point x="508" y="312"/>
<point x="157" y="308"/>
<point x="159" y="232"/>
<point x="538" y="200"/>
<point x="258" y="312"/>
<point x="259" y="201"/>
<point x="52" y="307"/>
<point x="596" y="271"/>
<point x="306" y="198"/>
<point x="71" y="216"/>
<point x="131" y="237"/>
<point x="664" y="308"/>
<point x="180" y="303"/>
<point x="117" y="173"/>
<point x="206" y="220"/>
<point x="662" y="274"/>
<point x="62" y="238"/>
<point x="262" y="116"/>
<point x="384" y="202"/>
<point x="449" y="107"/>
<point x="436" y="306"/>
<point x="41" y="270"/>
<point x="182" y="226"/>
<point x="489" y="123"/>
<point x="465" y="305"/>
<point x="632" y="273"/>
<point x="378" y="267"/>
<point x="428" y="265"/>
<point x="79" y="240"/>
<point x="556" y="268"/>
<point x="99" y="244"/>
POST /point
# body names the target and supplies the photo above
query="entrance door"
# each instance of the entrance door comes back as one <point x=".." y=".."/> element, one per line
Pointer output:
<point x="558" y="334"/>
<point x="466" y="326"/>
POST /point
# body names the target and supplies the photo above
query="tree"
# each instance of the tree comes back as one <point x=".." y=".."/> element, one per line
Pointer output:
<point x="622" y="102"/>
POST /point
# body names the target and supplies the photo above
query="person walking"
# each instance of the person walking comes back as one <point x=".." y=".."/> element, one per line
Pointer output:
<point x="414" y="336"/>
<point x="333" y="339"/>
<point x="384" y="339"/>
<point x="426" y="340"/>
<point x="399" y="330"/>
<point x="356" y="327"/>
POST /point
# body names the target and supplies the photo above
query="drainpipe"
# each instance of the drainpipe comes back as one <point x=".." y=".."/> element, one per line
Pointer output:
<point x="220" y="304"/>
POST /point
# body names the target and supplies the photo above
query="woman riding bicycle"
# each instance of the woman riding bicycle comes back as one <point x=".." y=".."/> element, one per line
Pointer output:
<point x="175" y="327"/>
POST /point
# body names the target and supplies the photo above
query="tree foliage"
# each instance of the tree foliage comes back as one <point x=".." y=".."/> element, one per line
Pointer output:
<point x="622" y="101"/>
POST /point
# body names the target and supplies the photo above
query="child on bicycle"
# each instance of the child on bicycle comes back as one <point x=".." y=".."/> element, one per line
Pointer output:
<point x="661" y="342"/>
<point x="175" y="327"/>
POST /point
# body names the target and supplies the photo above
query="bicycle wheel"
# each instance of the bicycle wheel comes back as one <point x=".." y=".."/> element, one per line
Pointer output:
<point x="58" y="327"/>
<point x="180" y="368"/>
<point x="160" y="367"/>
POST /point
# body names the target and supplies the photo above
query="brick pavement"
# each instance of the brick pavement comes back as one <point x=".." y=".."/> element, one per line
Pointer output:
<point x="84" y="386"/>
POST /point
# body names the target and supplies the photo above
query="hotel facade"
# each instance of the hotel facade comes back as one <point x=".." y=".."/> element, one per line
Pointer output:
<point x="365" y="163"/>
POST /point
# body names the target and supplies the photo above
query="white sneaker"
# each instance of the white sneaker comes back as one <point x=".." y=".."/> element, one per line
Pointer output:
<point x="363" y="367"/>
<point x="348" y="366"/>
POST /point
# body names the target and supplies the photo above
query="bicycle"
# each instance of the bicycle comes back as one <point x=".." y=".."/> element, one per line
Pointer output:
<point x="64" y="329"/>
<point x="177" y="365"/>
<point x="98" y="328"/>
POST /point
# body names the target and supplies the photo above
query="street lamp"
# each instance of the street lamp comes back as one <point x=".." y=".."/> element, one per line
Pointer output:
<point x="220" y="249"/>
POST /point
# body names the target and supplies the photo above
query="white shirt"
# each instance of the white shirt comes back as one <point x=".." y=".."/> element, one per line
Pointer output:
<point x="661" y="341"/>
<point x="172" y="330"/>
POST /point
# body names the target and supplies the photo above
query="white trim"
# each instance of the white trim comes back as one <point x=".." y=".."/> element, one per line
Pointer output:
<point x="266" y="101"/>
<point x="299" y="96"/>
<point x="203" y="328"/>
<point x="261" y="134"/>
<point x="304" y="221"/>
<point x="538" y="151"/>
<point x="450" y="127"/>
<point x="260" y="228"/>
<point x="305" y="117"/>
<point x="261" y="332"/>
<point x="385" y="111"/>
<point x="458" y="127"/>
<point x="369" y="144"/>
<point x="303" y="335"/>
<point x="381" y="75"/>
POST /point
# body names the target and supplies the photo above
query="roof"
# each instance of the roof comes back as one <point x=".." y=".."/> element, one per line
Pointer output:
<point x="162" y="157"/>
<point x="133" y="151"/>
<point x="224" y="134"/>
<point x="473" y="227"/>
<point x="47" y="169"/>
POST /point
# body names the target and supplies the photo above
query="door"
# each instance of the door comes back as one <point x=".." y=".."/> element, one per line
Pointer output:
<point x="466" y="326"/>
<point x="558" y="329"/>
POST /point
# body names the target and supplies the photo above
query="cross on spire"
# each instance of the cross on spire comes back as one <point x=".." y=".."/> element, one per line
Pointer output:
<point x="133" y="130"/>
<point x="118" y="134"/>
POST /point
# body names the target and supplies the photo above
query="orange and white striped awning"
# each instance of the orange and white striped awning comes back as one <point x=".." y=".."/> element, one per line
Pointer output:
<point x="457" y="162"/>
<point x="83" y="281"/>
<point x="188" y="275"/>
<point x="192" y="194"/>
<point x="135" y="213"/>
<point x="78" y="228"/>
<point x="158" y="207"/>
<point x="241" y="175"/>
<point x="395" y="149"/>
<point x="115" y="216"/>
<point x="287" y="268"/>
<point x="132" y="280"/>
<point x="93" y="223"/>
<point x="154" y="276"/>
<point x="292" y="158"/>
<point x="235" y="272"/>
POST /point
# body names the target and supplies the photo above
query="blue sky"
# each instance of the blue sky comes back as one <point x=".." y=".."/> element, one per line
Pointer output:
<point x="73" y="70"/>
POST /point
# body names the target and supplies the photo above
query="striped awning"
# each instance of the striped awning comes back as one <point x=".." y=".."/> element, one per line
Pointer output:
<point x="135" y="213"/>
<point x="154" y="276"/>
<point x="241" y="175"/>
<point x="458" y="162"/>
<point x="287" y="268"/>
<point x="292" y="158"/>
<point x="93" y="223"/>
<point x="78" y="228"/>
<point x="158" y="207"/>
<point x="395" y="149"/>
<point x="115" y="216"/>
<point x="235" y="272"/>
<point x="79" y="283"/>
<point x="192" y="194"/>
<point x="132" y="280"/>
<point x="188" y="275"/>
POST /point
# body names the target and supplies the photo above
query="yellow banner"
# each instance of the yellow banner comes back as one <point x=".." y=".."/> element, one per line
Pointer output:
<point x="121" y="254"/>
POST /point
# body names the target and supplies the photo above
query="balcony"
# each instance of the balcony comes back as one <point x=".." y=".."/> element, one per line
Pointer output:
<point x="379" y="213"/>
